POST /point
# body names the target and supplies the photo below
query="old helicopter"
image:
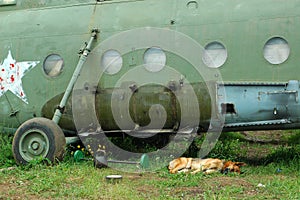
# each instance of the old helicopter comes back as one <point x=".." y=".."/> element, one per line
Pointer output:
<point x="137" y="56"/>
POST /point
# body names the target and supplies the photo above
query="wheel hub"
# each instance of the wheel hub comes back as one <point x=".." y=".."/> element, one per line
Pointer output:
<point x="34" y="143"/>
<point x="36" y="146"/>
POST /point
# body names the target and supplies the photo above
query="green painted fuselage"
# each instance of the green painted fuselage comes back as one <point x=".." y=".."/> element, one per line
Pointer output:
<point x="259" y="95"/>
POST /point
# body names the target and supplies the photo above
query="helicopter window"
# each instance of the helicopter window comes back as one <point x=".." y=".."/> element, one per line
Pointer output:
<point x="154" y="59"/>
<point x="8" y="2"/>
<point x="53" y="65"/>
<point x="276" y="50"/>
<point x="112" y="62"/>
<point x="214" y="55"/>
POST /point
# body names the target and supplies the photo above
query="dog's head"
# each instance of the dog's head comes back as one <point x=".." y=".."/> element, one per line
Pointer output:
<point x="230" y="166"/>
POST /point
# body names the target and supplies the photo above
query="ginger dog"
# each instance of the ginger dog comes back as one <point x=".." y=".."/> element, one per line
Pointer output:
<point x="207" y="166"/>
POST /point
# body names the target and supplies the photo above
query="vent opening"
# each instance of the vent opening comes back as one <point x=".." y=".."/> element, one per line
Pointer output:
<point x="228" y="108"/>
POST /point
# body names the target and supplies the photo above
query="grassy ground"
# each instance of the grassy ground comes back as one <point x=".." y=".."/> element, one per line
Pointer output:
<point x="272" y="173"/>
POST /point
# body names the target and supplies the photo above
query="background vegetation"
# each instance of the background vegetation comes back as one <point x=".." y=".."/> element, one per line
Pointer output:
<point x="272" y="172"/>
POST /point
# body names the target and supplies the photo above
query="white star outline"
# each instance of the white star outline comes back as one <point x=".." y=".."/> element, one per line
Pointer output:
<point x="11" y="74"/>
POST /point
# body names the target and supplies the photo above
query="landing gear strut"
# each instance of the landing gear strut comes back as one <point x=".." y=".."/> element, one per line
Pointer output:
<point x="41" y="137"/>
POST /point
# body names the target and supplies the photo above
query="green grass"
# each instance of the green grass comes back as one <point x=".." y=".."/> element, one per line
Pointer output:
<point x="82" y="181"/>
<point x="277" y="170"/>
<point x="6" y="157"/>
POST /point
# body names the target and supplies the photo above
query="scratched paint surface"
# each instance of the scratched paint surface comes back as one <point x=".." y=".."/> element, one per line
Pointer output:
<point x="11" y="74"/>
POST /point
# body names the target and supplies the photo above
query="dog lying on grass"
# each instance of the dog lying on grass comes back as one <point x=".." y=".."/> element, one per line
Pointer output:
<point x="207" y="166"/>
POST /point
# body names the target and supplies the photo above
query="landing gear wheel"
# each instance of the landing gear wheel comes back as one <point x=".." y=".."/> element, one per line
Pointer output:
<point x="38" y="137"/>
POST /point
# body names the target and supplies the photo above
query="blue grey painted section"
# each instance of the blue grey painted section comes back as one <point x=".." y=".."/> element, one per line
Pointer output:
<point x="259" y="104"/>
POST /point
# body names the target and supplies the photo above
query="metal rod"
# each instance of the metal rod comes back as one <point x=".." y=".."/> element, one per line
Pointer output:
<point x="60" y="109"/>
<point x="123" y="162"/>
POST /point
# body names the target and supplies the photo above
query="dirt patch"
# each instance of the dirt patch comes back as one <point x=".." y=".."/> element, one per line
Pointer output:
<point x="213" y="186"/>
<point x="147" y="190"/>
<point x="271" y="137"/>
<point x="229" y="181"/>
<point x="134" y="176"/>
<point x="188" y="192"/>
<point x="258" y="151"/>
<point x="263" y="143"/>
<point x="143" y="182"/>
<point x="14" y="190"/>
<point x="222" y="183"/>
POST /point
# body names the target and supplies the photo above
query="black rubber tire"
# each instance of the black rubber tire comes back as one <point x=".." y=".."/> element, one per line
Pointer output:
<point x="38" y="132"/>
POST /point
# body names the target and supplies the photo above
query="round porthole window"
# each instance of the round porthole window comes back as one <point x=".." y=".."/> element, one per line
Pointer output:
<point x="276" y="50"/>
<point x="214" y="55"/>
<point x="154" y="59"/>
<point x="112" y="62"/>
<point x="53" y="65"/>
